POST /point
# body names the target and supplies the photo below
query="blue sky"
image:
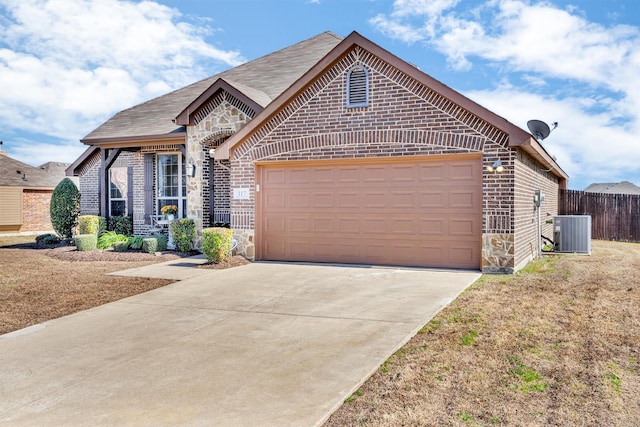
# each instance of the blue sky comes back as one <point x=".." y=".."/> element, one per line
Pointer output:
<point x="68" y="65"/>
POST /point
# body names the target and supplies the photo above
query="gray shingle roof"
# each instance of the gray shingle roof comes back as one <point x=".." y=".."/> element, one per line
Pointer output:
<point x="624" y="187"/>
<point x="17" y="174"/>
<point x="262" y="80"/>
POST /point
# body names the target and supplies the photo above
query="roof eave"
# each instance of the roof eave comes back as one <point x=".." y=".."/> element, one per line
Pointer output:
<point x="134" y="140"/>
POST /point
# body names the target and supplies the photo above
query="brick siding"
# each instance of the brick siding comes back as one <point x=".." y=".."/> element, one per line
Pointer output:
<point x="404" y="118"/>
<point x="36" y="215"/>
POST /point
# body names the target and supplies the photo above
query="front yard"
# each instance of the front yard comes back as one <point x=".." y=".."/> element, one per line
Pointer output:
<point x="556" y="344"/>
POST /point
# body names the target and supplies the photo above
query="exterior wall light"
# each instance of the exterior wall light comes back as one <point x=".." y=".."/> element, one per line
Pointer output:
<point x="495" y="167"/>
<point x="191" y="170"/>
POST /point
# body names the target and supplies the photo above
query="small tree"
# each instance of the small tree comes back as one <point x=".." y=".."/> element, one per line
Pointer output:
<point x="65" y="208"/>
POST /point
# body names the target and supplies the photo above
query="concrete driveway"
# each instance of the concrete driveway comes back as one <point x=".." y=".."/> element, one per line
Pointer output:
<point x="262" y="344"/>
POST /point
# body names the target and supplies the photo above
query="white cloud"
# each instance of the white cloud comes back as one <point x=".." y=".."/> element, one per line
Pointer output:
<point x="587" y="146"/>
<point x="67" y="65"/>
<point x="588" y="72"/>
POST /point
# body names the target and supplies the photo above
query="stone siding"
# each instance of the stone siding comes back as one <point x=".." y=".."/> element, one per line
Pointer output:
<point x="214" y="123"/>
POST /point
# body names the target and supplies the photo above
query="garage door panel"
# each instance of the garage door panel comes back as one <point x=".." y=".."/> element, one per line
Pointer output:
<point x="275" y="224"/>
<point x="322" y="199"/>
<point x="298" y="224"/>
<point x="323" y="225"/>
<point x="432" y="227"/>
<point x="403" y="174"/>
<point x="373" y="225"/>
<point x="462" y="172"/>
<point x="373" y="199"/>
<point x="404" y="212"/>
<point x="299" y="199"/>
<point x="400" y="226"/>
<point x="402" y="199"/>
<point x="322" y="176"/>
<point x="347" y="175"/>
<point x="462" y="199"/>
<point x="431" y="199"/>
<point x="431" y="173"/>
<point x="298" y="176"/>
<point x="275" y="201"/>
<point x="274" y="176"/>
<point x="348" y="225"/>
<point x="347" y="200"/>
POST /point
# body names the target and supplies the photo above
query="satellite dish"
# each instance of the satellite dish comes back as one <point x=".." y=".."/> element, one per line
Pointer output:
<point x="539" y="129"/>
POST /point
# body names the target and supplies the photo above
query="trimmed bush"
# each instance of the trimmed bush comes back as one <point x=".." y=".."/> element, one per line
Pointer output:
<point x="121" y="246"/>
<point x="65" y="208"/>
<point x="216" y="244"/>
<point x="121" y="225"/>
<point x="107" y="239"/>
<point x="184" y="232"/>
<point x="162" y="241"/>
<point x="150" y="245"/>
<point x="89" y="224"/>
<point x="135" y="243"/>
<point x="47" y="239"/>
<point x="86" y="242"/>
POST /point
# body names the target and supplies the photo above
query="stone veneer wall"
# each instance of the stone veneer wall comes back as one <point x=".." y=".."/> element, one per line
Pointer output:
<point x="227" y="115"/>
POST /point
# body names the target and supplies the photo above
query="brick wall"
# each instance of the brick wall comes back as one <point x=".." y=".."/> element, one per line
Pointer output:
<point x="36" y="214"/>
<point x="89" y="196"/>
<point x="404" y="118"/>
<point x="531" y="176"/>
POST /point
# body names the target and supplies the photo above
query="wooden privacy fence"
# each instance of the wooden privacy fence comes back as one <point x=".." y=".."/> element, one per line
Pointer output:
<point x="613" y="216"/>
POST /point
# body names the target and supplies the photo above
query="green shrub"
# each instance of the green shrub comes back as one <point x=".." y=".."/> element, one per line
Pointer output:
<point x="121" y="246"/>
<point x="86" y="242"/>
<point x="122" y="224"/>
<point x="89" y="224"/>
<point x="135" y="243"/>
<point x="47" y="239"/>
<point x="184" y="232"/>
<point x="102" y="225"/>
<point x="162" y="241"/>
<point x="65" y="208"/>
<point x="150" y="245"/>
<point x="216" y="243"/>
<point x="107" y="239"/>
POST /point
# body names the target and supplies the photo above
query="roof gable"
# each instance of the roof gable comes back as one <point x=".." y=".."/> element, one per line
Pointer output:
<point x="254" y="99"/>
<point x="516" y="136"/>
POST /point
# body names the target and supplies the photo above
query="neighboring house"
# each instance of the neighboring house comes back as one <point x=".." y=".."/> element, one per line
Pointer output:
<point x="330" y="150"/>
<point x="624" y="187"/>
<point x="25" y="194"/>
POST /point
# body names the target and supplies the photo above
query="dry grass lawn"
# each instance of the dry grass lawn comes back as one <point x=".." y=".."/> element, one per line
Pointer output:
<point x="556" y="345"/>
<point x="37" y="285"/>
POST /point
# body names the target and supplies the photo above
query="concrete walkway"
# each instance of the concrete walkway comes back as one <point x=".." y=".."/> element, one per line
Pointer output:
<point x="263" y="344"/>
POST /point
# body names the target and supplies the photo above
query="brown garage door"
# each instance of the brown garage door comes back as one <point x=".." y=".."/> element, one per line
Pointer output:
<point x="397" y="211"/>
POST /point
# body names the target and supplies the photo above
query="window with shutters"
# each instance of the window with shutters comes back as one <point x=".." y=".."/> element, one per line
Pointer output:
<point x="357" y="87"/>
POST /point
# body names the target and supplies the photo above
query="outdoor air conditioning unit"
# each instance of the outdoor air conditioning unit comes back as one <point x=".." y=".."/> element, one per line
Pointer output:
<point x="572" y="233"/>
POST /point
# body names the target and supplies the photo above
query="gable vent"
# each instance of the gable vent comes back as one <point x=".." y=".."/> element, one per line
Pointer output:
<point x="357" y="87"/>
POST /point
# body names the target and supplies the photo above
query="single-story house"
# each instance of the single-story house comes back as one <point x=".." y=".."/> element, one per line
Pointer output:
<point x="25" y="194"/>
<point x="330" y="150"/>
